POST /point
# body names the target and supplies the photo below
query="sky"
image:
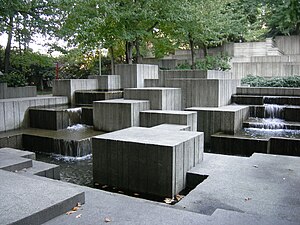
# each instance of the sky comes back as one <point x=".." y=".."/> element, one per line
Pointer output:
<point x="37" y="44"/>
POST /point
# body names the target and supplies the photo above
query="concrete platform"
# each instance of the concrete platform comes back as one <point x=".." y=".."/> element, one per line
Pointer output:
<point x="116" y="114"/>
<point x="146" y="160"/>
<point x="160" y="98"/>
<point x="152" y="118"/>
<point x="170" y="127"/>
<point x="228" y="119"/>
<point x="86" y="98"/>
<point x="24" y="200"/>
<point x="262" y="185"/>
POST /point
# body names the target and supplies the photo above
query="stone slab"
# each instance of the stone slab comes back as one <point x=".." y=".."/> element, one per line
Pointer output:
<point x="152" y="118"/>
<point x="146" y="160"/>
<point x="34" y="201"/>
<point x="116" y="114"/>
<point x="159" y="97"/>
<point x="170" y="127"/>
<point x="107" y="82"/>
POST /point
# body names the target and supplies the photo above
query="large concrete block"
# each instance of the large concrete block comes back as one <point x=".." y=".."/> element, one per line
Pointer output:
<point x="204" y="92"/>
<point x="228" y="119"/>
<point x="107" y="82"/>
<point x="132" y="76"/>
<point x="152" y="118"/>
<point x="116" y="114"/>
<point x="159" y="97"/>
<point x="146" y="160"/>
<point x="68" y="87"/>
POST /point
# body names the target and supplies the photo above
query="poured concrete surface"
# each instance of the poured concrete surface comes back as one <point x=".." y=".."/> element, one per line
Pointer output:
<point x="262" y="185"/>
<point x="25" y="200"/>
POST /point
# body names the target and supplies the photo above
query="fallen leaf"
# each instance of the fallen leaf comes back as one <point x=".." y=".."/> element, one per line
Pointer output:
<point x="70" y="212"/>
<point x="78" y="216"/>
<point x="169" y="200"/>
<point x="104" y="186"/>
<point x="256" y="166"/>
<point x="75" y="208"/>
<point x="136" y="194"/>
<point x="78" y="204"/>
<point x="107" y="220"/>
<point x="179" y="197"/>
<point x="96" y="184"/>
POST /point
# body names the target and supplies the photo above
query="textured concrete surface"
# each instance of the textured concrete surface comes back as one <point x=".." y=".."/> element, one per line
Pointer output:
<point x="152" y="118"/>
<point x="159" y="97"/>
<point x="86" y="98"/>
<point x="116" y="114"/>
<point x="16" y="92"/>
<point x="133" y="76"/>
<point x="146" y="160"/>
<point x="262" y="185"/>
<point x="268" y="91"/>
<point x="228" y="119"/>
<point x="25" y="200"/>
<point x="107" y="82"/>
<point x="67" y="87"/>
<point x="14" y="112"/>
<point x="171" y="127"/>
<point x="195" y="92"/>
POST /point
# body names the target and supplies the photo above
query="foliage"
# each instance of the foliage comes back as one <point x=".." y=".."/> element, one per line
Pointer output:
<point x="14" y="79"/>
<point x="258" y="81"/>
<point x="218" y="62"/>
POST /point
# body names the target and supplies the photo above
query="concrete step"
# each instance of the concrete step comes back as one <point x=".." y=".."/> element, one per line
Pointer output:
<point x="268" y="91"/>
<point x="268" y="123"/>
<point x="26" y="200"/>
<point x="152" y="118"/>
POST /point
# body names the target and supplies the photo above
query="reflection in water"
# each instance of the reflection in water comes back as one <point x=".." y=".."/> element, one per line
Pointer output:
<point x="77" y="170"/>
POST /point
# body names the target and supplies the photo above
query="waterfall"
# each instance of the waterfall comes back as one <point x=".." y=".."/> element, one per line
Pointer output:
<point x="270" y="124"/>
<point x="73" y="148"/>
<point x="273" y="111"/>
<point x="74" y="115"/>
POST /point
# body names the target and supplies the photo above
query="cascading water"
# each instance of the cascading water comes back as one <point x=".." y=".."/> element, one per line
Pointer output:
<point x="74" y="115"/>
<point x="273" y="111"/>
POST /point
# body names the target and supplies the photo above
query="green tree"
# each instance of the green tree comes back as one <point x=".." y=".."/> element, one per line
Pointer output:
<point x="21" y="19"/>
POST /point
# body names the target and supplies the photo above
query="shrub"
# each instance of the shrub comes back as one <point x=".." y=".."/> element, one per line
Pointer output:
<point x="14" y="79"/>
<point x="258" y="81"/>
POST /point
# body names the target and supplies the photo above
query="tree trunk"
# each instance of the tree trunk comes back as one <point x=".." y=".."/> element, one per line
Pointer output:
<point x="138" y="52"/>
<point x="129" y="47"/>
<point x="8" y="46"/>
<point x="112" y="60"/>
<point x="205" y="51"/>
<point x="192" y="47"/>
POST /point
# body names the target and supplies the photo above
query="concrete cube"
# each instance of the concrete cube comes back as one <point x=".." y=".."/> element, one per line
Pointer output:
<point x="146" y="160"/>
<point x="107" y="82"/>
<point x="159" y="97"/>
<point x="116" y="114"/>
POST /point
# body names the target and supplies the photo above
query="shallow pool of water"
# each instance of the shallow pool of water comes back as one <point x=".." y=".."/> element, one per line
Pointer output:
<point x="77" y="170"/>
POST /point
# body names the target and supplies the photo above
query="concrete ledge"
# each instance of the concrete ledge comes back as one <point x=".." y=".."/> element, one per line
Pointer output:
<point x="16" y="92"/>
<point x="116" y="114"/>
<point x="269" y="91"/>
<point x="171" y="127"/>
<point x="159" y="97"/>
<point x="152" y="118"/>
<point x="228" y="119"/>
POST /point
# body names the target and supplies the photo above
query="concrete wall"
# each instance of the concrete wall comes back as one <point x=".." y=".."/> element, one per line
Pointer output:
<point x="152" y="118"/>
<point x="280" y="91"/>
<point x="290" y="45"/>
<point x="132" y="76"/>
<point x="146" y="160"/>
<point x="175" y="74"/>
<point x="161" y="63"/>
<point x="116" y="114"/>
<point x="16" y="92"/>
<point x="159" y="97"/>
<point x="14" y="112"/>
<point x="86" y="98"/>
<point x="228" y="119"/>
<point x="69" y="86"/>
<point x="204" y="92"/>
